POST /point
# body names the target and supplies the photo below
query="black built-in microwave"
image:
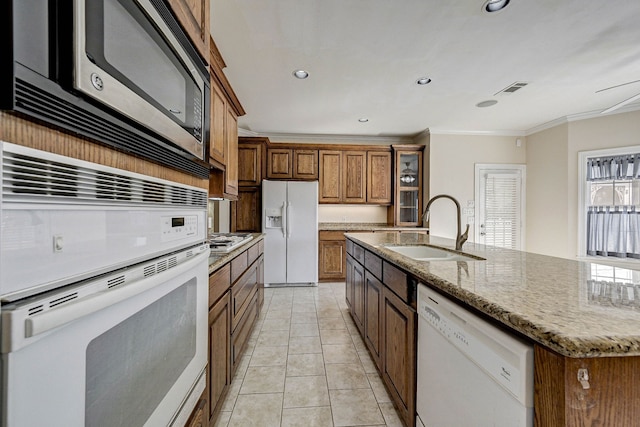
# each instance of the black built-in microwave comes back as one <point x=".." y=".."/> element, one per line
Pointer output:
<point x="121" y="72"/>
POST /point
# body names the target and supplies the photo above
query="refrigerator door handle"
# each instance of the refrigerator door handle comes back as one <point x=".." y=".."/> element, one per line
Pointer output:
<point x="285" y="219"/>
<point x="288" y="224"/>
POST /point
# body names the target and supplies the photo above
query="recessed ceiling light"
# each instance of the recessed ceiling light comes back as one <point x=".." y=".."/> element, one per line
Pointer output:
<point x="300" y="74"/>
<point x="423" y="80"/>
<point x="363" y="120"/>
<point x="491" y="6"/>
<point x="488" y="103"/>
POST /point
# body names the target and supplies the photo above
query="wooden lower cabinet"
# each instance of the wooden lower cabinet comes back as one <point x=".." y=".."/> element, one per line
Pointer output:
<point x="349" y="282"/>
<point x="332" y="248"/>
<point x="399" y="354"/>
<point x="612" y="398"/>
<point x="219" y="369"/>
<point x="358" y="296"/>
<point x="235" y="300"/>
<point x="387" y="323"/>
<point x="198" y="416"/>
<point x="373" y="308"/>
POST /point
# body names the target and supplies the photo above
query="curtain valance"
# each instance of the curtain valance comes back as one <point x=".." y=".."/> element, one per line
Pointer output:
<point x="613" y="167"/>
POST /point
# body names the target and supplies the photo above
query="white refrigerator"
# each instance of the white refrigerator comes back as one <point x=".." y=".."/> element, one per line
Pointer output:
<point x="290" y="224"/>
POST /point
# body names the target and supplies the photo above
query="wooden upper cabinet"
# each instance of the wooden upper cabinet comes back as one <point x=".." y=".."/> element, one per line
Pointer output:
<point x="217" y="142"/>
<point x="249" y="164"/>
<point x="305" y="164"/>
<point x="223" y="133"/>
<point x="193" y="15"/>
<point x="330" y="176"/>
<point x="279" y="163"/>
<point x="231" y="171"/>
<point x="292" y="163"/>
<point x="379" y="177"/>
<point x="355" y="176"/>
<point x="247" y="211"/>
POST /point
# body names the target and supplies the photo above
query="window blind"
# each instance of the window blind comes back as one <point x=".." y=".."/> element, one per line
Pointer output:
<point x="502" y="210"/>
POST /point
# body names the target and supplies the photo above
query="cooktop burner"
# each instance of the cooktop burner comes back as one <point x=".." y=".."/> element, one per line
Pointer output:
<point x="226" y="242"/>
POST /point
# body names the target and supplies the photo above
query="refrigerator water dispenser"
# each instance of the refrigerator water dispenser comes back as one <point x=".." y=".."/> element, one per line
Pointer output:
<point x="273" y="218"/>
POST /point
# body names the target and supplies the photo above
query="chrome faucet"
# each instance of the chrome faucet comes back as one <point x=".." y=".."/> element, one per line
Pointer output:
<point x="460" y="238"/>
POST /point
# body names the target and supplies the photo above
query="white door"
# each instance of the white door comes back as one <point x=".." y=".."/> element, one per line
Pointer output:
<point x="500" y="205"/>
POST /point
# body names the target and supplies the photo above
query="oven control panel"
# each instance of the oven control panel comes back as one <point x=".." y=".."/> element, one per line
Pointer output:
<point x="178" y="227"/>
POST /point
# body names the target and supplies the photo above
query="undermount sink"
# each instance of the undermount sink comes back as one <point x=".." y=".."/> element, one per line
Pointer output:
<point x="430" y="253"/>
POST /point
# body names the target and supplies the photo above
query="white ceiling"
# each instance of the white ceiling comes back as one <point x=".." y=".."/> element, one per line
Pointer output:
<point x="364" y="56"/>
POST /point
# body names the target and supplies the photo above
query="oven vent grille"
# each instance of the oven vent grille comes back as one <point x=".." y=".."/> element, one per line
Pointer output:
<point x="162" y="266"/>
<point x="26" y="178"/>
<point x="189" y="254"/>
<point x="35" y="310"/>
<point x="91" y="122"/>
<point x="63" y="299"/>
<point x="149" y="270"/>
<point x="173" y="261"/>
<point x="116" y="281"/>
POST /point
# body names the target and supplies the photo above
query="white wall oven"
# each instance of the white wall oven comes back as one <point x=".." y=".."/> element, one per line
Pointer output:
<point x="103" y="284"/>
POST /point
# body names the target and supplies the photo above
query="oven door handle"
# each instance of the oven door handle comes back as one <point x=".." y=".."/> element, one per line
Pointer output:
<point x="82" y="307"/>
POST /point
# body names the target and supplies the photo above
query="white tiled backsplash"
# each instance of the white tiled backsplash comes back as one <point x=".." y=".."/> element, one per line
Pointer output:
<point x="352" y="213"/>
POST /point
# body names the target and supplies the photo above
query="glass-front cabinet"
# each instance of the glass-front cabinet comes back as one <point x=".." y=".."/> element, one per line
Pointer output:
<point x="407" y="207"/>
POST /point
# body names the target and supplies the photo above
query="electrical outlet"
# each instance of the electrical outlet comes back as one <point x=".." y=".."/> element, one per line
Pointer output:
<point x="471" y="203"/>
<point x="471" y="219"/>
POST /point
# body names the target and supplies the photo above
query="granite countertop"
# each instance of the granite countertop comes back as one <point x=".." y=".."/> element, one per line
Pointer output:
<point x="559" y="303"/>
<point x="217" y="260"/>
<point x="364" y="226"/>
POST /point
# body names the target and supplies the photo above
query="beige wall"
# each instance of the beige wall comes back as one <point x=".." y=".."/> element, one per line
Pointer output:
<point x="352" y="213"/>
<point x="452" y="171"/>
<point x="556" y="232"/>
<point x="547" y="192"/>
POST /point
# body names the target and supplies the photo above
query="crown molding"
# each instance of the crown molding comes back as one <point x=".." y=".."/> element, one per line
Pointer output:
<point x="328" y="138"/>
<point x="436" y="131"/>
<point x="581" y="116"/>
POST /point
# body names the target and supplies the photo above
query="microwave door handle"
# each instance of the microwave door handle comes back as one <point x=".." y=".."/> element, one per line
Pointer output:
<point x="66" y="313"/>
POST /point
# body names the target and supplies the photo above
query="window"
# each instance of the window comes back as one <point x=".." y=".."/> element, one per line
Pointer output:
<point x="611" y="203"/>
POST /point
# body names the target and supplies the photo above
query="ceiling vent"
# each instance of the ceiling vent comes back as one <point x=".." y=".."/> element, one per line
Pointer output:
<point x="514" y="87"/>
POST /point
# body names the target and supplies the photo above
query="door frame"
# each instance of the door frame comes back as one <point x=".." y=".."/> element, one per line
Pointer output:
<point x="479" y="168"/>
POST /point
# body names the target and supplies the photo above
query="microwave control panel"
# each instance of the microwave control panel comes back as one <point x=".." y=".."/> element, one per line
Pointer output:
<point x="178" y="227"/>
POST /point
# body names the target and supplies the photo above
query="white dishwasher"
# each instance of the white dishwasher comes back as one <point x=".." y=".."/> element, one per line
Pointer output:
<point x="470" y="373"/>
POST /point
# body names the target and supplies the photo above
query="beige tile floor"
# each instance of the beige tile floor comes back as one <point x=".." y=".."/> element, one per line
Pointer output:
<point x="306" y="365"/>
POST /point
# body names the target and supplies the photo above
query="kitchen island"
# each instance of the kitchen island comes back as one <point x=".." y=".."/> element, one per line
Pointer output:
<point x="575" y="320"/>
